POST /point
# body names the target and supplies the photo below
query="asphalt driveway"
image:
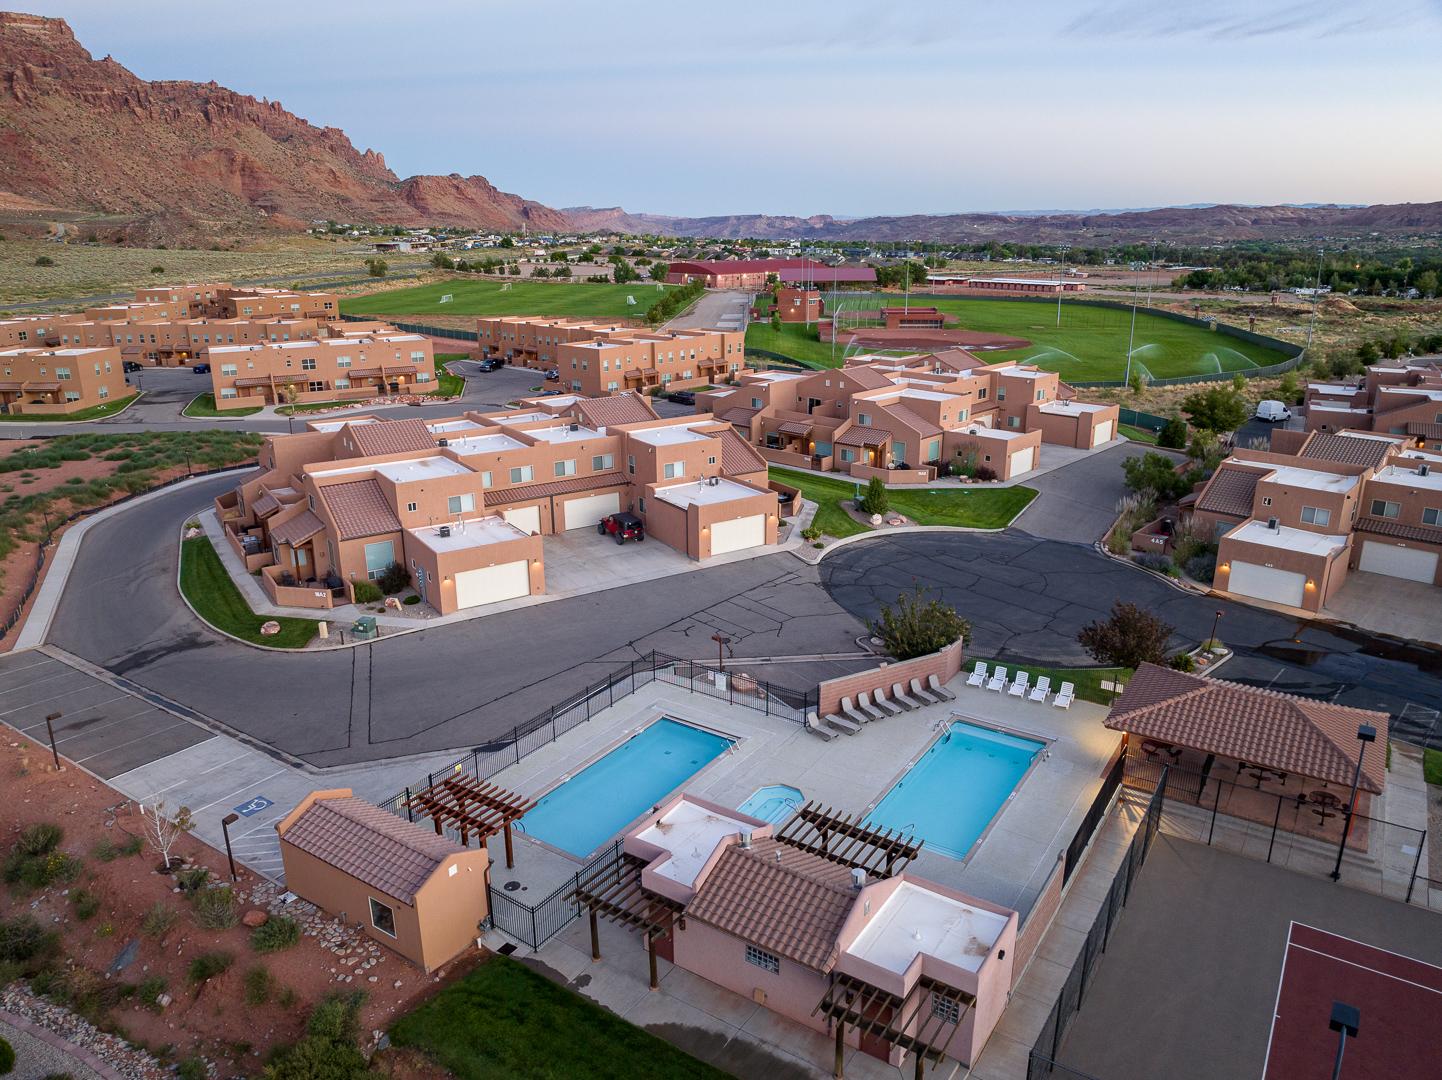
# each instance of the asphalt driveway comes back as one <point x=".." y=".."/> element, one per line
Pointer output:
<point x="1077" y="503"/>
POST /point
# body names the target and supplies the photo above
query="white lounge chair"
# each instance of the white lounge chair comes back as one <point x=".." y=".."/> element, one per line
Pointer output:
<point x="817" y="728"/>
<point x="1042" y="690"/>
<point x="1021" y="685"/>
<point x="863" y="702"/>
<point x="899" y="695"/>
<point x="998" y="679"/>
<point x="841" y="724"/>
<point x="977" y="676"/>
<point x="878" y="696"/>
<point x="853" y="714"/>
<point x="1064" y="696"/>
<point x="934" y="685"/>
<point x="922" y="694"/>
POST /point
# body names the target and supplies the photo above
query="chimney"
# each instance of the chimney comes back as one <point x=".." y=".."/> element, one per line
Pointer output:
<point x="858" y="878"/>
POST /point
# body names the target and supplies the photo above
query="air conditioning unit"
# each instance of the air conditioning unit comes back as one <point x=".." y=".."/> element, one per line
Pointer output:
<point x="1274" y="524"/>
<point x="444" y="531"/>
<point x="575" y="427"/>
<point x="1424" y="469"/>
<point x="445" y="442"/>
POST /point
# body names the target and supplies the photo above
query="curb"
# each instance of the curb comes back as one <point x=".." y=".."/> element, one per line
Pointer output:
<point x="50" y="418"/>
<point x="813" y="557"/>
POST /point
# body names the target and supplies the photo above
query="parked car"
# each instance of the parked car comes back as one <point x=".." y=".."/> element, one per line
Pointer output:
<point x="683" y="397"/>
<point x="623" y="526"/>
<point x="488" y="365"/>
<point x="1273" y="411"/>
<point x="553" y="375"/>
<point x="130" y="365"/>
<point x="201" y="369"/>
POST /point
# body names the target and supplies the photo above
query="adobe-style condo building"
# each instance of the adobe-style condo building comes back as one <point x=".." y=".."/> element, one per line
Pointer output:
<point x="464" y="503"/>
<point x="904" y="419"/>
<point x="329" y="369"/>
<point x="53" y="382"/>
<point x="1292" y="521"/>
<point x="1395" y="397"/>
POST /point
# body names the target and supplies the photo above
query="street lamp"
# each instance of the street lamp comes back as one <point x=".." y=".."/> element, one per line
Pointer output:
<point x="225" y="824"/>
<point x="1212" y="641"/>
<point x="50" y="730"/>
<point x="1061" y="269"/>
<point x="1365" y="733"/>
<point x="721" y="640"/>
<point x="1345" y="1021"/>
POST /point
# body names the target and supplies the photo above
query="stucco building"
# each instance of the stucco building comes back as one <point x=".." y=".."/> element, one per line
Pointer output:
<point x="753" y="273"/>
<point x="328" y="369"/>
<point x="1395" y="397"/>
<point x="59" y="381"/>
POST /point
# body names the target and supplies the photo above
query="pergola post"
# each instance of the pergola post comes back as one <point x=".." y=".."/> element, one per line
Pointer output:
<point x="839" y="1070"/>
<point x="651" y="952"/>
<point x="920" y="1064"/>
<point x="595" y="937"/>
<point x="510" y="850"/>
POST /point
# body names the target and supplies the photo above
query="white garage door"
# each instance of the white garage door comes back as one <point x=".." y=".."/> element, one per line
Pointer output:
<point x="584" y="513"/>
<point x="734" y="535"/>
<point x="527" y="518"/>
<point x="1023" y="461"/>
<point x="490" y="584"/>
<point x="1413" y="564"/>
<point x="1267" y="583"/>
<point x="1103" y="432"/>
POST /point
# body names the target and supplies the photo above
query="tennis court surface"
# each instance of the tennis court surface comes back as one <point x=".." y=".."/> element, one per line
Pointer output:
<point x="1399" y="999"/>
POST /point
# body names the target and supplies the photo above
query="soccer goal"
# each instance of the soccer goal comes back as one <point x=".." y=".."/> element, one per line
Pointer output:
<point x="446" y="299"/>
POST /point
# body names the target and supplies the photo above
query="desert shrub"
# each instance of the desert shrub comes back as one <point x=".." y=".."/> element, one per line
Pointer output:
<point x="366" y="592"/>
<point x="192" y="881"/>
<point x="149" y="991"/>
<point x="7" y="1057"/>
<point x="209" y="965"/>
<point x="985" y="473"/>
<point x="916" y="626"/>
<point x="157" y="920"/>
<point x="876" y="500"/>
<point x="44" y="260"/>
<point x="334" y="1018"/>
<point x="39" y="871"/>
<point x="395" y="578"/>
<point x="24" y="941"/>
<point x="276" y="933"/>
<point x="39" y="839"/>
<point x="1182" y="662"/>
<point x="1153" y="560"/>
<point x="410" y="600"/>
<point x="1202" y="567"/>
<point x="192" y="1068"/>
<point x="86" y="904"/>
<point x="215" y="908"/>
<point x="811" y="532"/>
<point x="258" y="986"/>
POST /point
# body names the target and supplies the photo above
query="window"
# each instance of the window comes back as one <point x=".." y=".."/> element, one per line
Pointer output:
<point x="1013" y="421"/>
<point x="379" y="557"/>
<point x="1431" y="516"/>
<point x="228" y="392"/>
<point x="521" y="475"/>
<point x="228" y="369"/>
<point x="72" y="395"/>
<point x="946" y="1010"/>
<point x="383" y="918"/>
<point x="847" y="454"/>
<point x="603" y="462"/>
<point x="104" y="392"/>
<point x="641" y="505"/>
<point x="63" y="374"/>
<point x="1266" y="500"/>
<point x="485" y="479"/>
<point x="342" y="361"/>
<point x="673" y="470"/>
<point x="756" y="403"/>
<point x="630" y="458"/>
<point x="1315" y="515"/>
<point x="566" y="468"/>
<point x="315" y="387"/>
<point x="342" y="384"/>
<point x="711" y="460"/>
<point x="1040" y="396"/>
<point x="460" y="504"/>
<point x="764" y="960"/>
<point x="863" y="419"/>
<point x="411" y="508"/>
<point x="1001" y="393"/>
<point x="307" y="364"/>
<point x="1383" y="508"/>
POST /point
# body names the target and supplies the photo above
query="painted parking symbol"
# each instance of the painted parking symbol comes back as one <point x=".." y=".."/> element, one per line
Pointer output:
<point x="254" y="806"/>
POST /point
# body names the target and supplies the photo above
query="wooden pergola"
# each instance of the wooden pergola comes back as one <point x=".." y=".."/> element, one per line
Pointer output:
<point x="615" y="891"/>
<point x="842" y="838"/>
<point x="470" y="805"/>
<point x="913" y="1023"/>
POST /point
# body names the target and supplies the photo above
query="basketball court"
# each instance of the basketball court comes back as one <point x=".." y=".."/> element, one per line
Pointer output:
<point x="1399" y="1000"/>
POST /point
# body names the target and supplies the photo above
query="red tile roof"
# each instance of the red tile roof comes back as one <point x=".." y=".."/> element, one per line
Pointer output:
<point x="738" y="455"/>
<point x="1424" y="430"/>
<point x="391" y="437"/>
<point x="795" y="427"/>
<point x="616" y="409"/>
<point x="864" y="435"/>
<point x="1346" y="449"/>
<point x="1231" y="490"/>
<point x="379" y="849"/>
<point x="1422" y="534"/>
<point x="547" y="488"/>
<point x="785" y="900"/>
<point x="266" y="504"/>
<point x="740" y="416"/>
<point x="359" y="508"/>
<point x="1279" y="731"/>
<point x="297" y="530"/>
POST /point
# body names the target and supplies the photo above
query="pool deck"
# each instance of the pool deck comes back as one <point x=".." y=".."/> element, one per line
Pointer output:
<point x="849" y="773"/>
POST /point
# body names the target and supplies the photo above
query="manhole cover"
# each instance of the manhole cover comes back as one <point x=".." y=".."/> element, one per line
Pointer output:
<point x="511" y="886"/>
<point x="506" y="949"/>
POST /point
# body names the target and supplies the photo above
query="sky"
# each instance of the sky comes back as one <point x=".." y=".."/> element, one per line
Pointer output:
<point x="841" y="108"/>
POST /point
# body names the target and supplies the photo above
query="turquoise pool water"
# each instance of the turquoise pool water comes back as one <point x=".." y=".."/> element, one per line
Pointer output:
<point x="774" y="803"/>
<point x="585" y="811"/>
<point x="950" y="796"/>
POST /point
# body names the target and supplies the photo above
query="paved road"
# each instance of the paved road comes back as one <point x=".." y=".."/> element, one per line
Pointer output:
<point x="1078" y="502"/>
<point x="726" y="310"/>
<point x="1027" y="597"/>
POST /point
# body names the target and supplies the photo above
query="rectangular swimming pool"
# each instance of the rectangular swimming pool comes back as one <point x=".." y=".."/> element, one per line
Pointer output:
<point x="583" y="812"/>
<point x="952" y="793"/>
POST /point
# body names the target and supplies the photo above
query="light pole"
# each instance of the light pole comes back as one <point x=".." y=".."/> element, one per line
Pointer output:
<point x="1365" y="733"/>
<point x="1061" y="269"/>
<point x="1316" y="295"/>
<point x="721" y="640"/>
<point x="50" y="730"/>
<point x="1346" y="1019"/>
<point x="1212" y="641"/>
<point x="225" y="824"/>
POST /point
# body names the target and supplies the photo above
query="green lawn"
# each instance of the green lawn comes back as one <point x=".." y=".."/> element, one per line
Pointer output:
<point x="1432" y="766"/>
<point x="484" y="297"/>
<point x="982" y="508"/>
<point x="1138" y="434"/>
<point x="93" y="413"/>
<point x="203" y="405"/>
<point x="1089" y="345"/>
<point x="1087" y="680"/>
<point x="214" y="596"/>
<point x="505" y="1021"/>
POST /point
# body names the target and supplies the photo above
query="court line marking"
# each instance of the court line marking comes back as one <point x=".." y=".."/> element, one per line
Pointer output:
<point x="1364" y="944"/>
<point x="1364" y="967"/>
<point x="1277" y="1003"/>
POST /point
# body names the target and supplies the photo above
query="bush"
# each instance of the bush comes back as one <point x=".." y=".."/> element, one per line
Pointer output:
<point x="149" y="991"/>
<point x="916" y="626"/>
<point x="157" y="920"/>
<point x="366" y="592"/>
<point x="1174" y="435"/>
<point x="985" y="472"/>
<point x="209" y="965"/>
<point x="811" y="532"/>
<point x="44" y="260"/>
<point x="276" y="933"/>
<point x="395" y="578"/>
<point x="192" y="1068"/>
<point x="1202" y="567"/>
<point x="86" y="904"/>
<point x="192" y="881"/>
<point x="24" y="941"/>
<point x="1182" y="662"/>
<point x="39" y="871"/>
<point x="1153" y="560"/>
<point x="7" y="1057"/>
<point x="258" y="986"/>
<point x="39" y="839"/>
<point x="411" y="600"/>
<point x="215" y="908"/>
<point x="876" y="500"/>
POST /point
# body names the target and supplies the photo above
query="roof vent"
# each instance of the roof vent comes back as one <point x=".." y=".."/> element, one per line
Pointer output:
<point x="445" y="442"/>
<point x="1274" y="524"/>
<point x="445" y="530"/>
<point x="858" y="878"/>
<point x="1424" y="469"/>
<point x="575" y="427"/>
<point x="746" y="838"/>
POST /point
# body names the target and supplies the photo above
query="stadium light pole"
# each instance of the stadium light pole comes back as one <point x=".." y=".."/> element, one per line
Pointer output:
<point x="1316" y="295"/>
<point x="1345" y="1021"/>
<point x="1131" y="337"/>
<point x="1061" y="269"/>
<point x="1365" y="733"/>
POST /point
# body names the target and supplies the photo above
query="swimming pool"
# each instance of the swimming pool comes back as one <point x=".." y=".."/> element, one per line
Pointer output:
<point x="774" y="803"/>
<point x="951" y="794"/>
<point x="584" y="811"/>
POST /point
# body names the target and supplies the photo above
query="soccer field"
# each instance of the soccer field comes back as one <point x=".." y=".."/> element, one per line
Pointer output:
<point x="1090" y="345"/>
<point x="520" y="297"/>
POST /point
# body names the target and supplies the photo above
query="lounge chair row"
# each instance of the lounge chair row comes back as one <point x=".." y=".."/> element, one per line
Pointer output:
<point x="878" y="704"/>
<point x="1021" y="686"/>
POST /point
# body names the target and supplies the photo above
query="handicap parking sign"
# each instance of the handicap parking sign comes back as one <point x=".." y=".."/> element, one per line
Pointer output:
<point x="254" y="806"/>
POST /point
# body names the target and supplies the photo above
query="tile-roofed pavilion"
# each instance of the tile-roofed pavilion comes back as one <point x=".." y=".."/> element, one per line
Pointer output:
<point x="359" y="508"/>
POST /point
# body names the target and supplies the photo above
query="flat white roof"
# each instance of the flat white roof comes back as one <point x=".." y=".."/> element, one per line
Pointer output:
<point x="777" y="376"/>
<point x="1330" y="406"/>
<point x="1288" y="539"/>
<point x="704" y="492"/>
<point x="524" y="418"/>
<point x="563" y="434"/>
<point x="484" y="444"/>
<point x="668" y="436"/>
<point x="321" y="343"/>
<point x="1406" y="477"/>
<point x="982" y="431"/>
<point x="1415" y="391"/>
<point x="926" y="395"/>
<point x="1332" y="388"/>
<point x="1311" y="479"/>
<point x="915" y="920"/>
<point x="1065" y="407"/>
<point x="453" y="425"/>
<point x="402" y="472"/>
<point x="1024" y="373"/>
<point x="690" y="833"/>
<point x="1421" y="455"/>
<point x="475" y="532"/>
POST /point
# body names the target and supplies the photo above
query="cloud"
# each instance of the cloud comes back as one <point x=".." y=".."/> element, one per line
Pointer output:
<point x="1241" y="22"/>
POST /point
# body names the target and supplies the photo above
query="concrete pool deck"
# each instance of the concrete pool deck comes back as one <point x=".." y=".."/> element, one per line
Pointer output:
<point x="849" y="773"/>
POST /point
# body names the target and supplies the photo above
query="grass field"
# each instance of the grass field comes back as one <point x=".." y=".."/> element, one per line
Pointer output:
<point x="983" y="508"/>
<point x="1090" y="344"/>
<point x="1087" y="680"/>
<point x="485" y="297"/>
<point x="1138" y="434"/>
<point x="95" y="412"/>
<point x="215" y="598"/>
<point x="202" y="406"/>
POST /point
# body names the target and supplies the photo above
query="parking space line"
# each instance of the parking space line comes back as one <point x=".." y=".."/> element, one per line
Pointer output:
<point x="232" y="794"/>
<point x="83" y="732"/>
<point x="68" y="693"/>
<point x="41" y="722"/>
<point x="195" y="776"/>
<point x="139" y="738"/>
<point x="7" y="672"/>
<point x="49" y="678"/>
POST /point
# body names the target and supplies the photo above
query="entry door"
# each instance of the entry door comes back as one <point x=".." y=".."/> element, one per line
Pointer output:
<point x="1410" y="564"/>
<point x="1267" y="583"/>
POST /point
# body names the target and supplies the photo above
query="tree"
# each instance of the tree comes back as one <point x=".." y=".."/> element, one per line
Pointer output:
<point x="1174" y="435"/>
<point x="506" y="242"/>
<point x="1215" y="409"/>
<point x="1137" y="381"/>
<point x="1128" y="638"/>
<point x="1368" y="353"/>
<point x="876" y="500"/>
<point x="1426" y="283"/>
<point x="1288" y="389"/>
<point x="1239" y="382"/>
<point x="1155" y="473"/>
<point x="377" y="267"/>
<point x="659" y="271"/>
<point x="916" y="626"/>
<point x="442" y="261"/>
<point x="162" y="831"/>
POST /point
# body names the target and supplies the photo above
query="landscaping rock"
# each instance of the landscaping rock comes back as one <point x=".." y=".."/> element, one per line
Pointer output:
<point x="269" y="628"/>
<point x="254" y="917"/>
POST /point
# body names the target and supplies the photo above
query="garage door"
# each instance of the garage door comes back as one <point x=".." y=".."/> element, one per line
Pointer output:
<point x="1103" y="432"/>
<point x="527" y="518"/>
<point x="1267" y="583"/>
<point x="584" y="513"/>
<point x="1412" y="564"/>
<point x="491" y="584"/>
<point x="1023" y="461"/>
<point x="734" y="535"/>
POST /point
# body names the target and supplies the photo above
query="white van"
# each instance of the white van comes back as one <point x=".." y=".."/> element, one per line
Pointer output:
<point x="1273" y="411"/>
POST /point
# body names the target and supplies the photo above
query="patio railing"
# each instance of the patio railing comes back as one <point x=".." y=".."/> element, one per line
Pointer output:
<point x="535" y="924"/>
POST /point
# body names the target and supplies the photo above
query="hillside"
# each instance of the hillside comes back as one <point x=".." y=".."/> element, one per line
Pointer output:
<point x="85" y="139"/>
